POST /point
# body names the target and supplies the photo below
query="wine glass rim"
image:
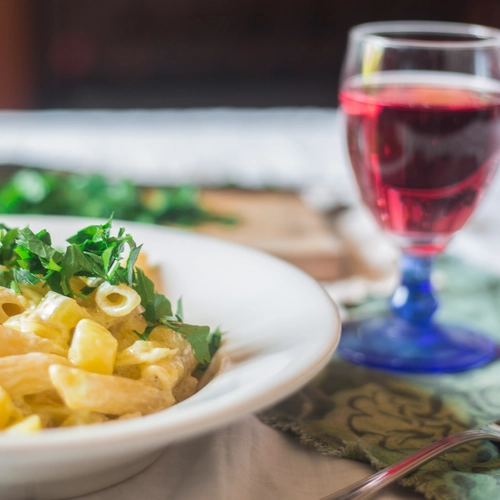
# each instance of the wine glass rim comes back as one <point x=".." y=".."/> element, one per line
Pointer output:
<point x="374" y="32"/>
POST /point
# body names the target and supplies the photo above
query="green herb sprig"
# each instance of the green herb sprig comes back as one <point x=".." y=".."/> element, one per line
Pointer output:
<point x="34" y="191"/>
<point x="29" y="258"/>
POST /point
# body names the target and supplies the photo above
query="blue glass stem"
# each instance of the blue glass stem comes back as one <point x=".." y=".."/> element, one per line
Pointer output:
<point x="408" y="339"/>
<point x="414" y="299"/>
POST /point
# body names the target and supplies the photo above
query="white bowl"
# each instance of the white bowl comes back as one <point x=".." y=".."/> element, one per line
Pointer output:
<point x="281" y="330"/>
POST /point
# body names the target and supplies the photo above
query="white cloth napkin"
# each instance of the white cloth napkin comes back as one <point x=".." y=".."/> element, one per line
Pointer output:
<point x="244" y="461"/>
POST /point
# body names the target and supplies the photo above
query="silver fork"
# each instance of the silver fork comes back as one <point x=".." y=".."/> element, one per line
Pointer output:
<point x="371" y="485"/>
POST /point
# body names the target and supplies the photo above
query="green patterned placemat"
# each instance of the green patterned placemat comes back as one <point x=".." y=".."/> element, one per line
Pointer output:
<point x="379" y="417"/>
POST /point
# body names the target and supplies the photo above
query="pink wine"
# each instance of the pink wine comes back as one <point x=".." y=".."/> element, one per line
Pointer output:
<point x="424" y="147"/>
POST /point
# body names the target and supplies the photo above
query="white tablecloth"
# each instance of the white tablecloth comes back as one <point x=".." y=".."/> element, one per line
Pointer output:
<point x="288" y="148"/>
<point x="245" y="461"/>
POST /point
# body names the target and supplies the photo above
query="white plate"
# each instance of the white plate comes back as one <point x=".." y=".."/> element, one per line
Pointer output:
<point x="281" y="330"/>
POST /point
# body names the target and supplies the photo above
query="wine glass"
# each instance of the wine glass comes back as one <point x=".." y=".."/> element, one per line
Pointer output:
<point x="420" y="104"/>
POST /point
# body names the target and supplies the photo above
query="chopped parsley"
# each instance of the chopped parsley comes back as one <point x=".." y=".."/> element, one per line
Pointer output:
<point x="33" y="191"/>
<point x="29" y="258"/>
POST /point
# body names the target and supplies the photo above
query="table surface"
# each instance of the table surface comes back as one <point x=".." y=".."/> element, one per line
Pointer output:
<point x="246" y="460"/>
<point x="291" y="148"/>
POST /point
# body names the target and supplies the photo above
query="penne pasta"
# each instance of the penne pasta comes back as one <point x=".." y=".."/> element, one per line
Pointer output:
<point x="59" y="311"/>
<point x="84" y="418"/>
<point x="14" y="342"/>
<point x="144" y="352"/>
<point x="116" y="300"/>
<point x="11" y="304"/>
<point x="28" y="323"/>
<point x="106" y="394"/>
<point x="28" y="373"/>
<point x="85" y="338"/>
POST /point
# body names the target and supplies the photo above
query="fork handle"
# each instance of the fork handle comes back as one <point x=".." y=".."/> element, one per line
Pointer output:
<point x="367" y="487"/>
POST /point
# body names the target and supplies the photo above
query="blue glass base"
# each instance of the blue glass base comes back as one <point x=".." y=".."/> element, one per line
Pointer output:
<point x="392" y="343"/>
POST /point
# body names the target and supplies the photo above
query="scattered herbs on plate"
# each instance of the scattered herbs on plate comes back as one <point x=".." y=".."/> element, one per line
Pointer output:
<point x="33" y="191"/>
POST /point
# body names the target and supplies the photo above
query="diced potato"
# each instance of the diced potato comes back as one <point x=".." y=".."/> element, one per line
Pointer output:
<point x="11" y="304"/>
<point x="27" y="426"/>
<point x="93" y="348"/>
<point x="107" y="394"/>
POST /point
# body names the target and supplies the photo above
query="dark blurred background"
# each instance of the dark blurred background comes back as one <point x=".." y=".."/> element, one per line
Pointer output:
<point x="187" y="53"/>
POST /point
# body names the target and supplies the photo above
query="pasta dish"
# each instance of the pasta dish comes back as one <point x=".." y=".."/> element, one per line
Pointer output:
<point x="84" y="335"/>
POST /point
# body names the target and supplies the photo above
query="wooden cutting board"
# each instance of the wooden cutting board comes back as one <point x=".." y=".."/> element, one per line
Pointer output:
<point x="281" y="224"/>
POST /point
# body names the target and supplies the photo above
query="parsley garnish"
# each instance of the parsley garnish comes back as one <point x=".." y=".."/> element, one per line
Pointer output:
<point x="29" y="258"/>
